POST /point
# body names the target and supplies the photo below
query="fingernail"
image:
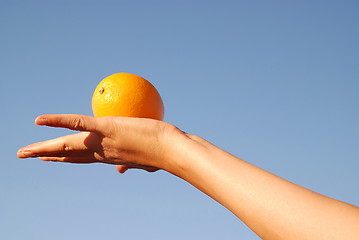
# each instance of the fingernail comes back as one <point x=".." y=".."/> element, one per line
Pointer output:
<point x="41" y="121"/>
<point x="25" y="153"/>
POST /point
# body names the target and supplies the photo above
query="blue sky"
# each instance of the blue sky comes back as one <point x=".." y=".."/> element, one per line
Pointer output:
<point x="273" y="82"/>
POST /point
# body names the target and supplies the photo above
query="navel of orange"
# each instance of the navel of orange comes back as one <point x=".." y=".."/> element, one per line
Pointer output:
<point x="127" y="95"/>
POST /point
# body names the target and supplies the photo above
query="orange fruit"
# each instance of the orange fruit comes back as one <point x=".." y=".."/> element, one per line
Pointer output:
<point x="127" y="95"/>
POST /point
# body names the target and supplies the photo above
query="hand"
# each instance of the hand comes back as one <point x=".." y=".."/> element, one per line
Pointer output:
<point x="126" y="142"/>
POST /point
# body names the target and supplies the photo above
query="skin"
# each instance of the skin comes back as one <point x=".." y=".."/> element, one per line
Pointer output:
<point x="272" y="207"/>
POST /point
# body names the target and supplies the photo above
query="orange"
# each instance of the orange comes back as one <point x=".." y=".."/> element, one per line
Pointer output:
<point x="127" y="95"/>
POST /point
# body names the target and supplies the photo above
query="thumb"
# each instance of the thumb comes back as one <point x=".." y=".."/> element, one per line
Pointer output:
<point x="121" y="168"/>
<point x="124" y="168"/>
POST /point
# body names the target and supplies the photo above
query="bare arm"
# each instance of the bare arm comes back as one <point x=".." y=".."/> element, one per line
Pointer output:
<point x="271" y="206"/>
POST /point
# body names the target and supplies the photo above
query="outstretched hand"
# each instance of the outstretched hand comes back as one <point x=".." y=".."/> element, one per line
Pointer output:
<point x="250" y="192"/>
<point x="125" y="142"/>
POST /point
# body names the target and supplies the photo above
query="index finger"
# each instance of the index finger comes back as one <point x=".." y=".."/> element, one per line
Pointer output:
<point x="71" y="121"/>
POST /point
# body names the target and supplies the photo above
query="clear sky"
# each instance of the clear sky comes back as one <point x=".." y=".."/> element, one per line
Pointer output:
<point x="273" y="82"/>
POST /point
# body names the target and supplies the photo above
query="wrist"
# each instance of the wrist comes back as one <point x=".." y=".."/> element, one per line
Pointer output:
<point x="181" y="151"/>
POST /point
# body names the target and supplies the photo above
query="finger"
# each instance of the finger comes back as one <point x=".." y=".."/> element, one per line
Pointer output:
<point x="80" y="160"/>
<point x="70" y="121"/>
<point x="70" y="145"/>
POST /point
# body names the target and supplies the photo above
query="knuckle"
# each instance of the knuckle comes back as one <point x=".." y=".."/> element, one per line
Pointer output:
<point x="78" y="124"/>
<point x="65" y="147"/>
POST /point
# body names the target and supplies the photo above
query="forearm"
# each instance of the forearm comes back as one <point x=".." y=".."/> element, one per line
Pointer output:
<point x="271" y="206"/>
